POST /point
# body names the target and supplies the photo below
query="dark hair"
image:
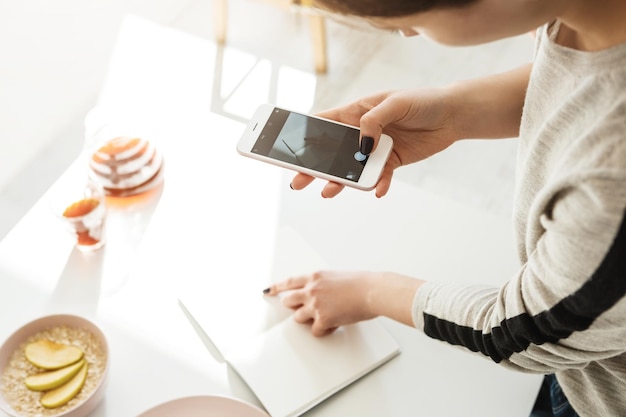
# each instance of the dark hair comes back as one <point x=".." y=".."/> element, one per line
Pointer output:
<point x="387" y="8"/>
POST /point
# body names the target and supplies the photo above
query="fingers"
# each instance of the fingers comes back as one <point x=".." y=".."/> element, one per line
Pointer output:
<point x="298" y="299"/>
<point x="289" y="284"/>
<point x="330" y="190"/>
<point x="318" y="327"/>
<point x="294" y="300"/>
<point x="302" y="315"/>
<point x="385" y="182"/>
<point x="320" y="331"/>
<point x="382" y="187"/>
<point x="300" y="181"/>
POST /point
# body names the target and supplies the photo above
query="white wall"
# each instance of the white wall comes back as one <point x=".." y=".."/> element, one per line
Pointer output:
<point x="53" y="59"/>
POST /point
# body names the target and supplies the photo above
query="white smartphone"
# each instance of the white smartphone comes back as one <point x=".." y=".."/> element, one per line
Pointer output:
<point x="312" y="145"/>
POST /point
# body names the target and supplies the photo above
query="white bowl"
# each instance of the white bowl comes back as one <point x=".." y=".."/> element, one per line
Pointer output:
<point x="98" y="374"/>
<point x="205" y="405"/>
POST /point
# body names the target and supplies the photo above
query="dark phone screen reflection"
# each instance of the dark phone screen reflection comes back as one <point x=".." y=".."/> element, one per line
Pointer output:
<point x="311" y="143"/>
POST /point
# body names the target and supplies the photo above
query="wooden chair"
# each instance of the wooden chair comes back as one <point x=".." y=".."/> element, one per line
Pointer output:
<point x="316" y="22"/>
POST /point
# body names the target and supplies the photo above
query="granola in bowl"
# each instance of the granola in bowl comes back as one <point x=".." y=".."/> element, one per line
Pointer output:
<point x="17" y="399"/>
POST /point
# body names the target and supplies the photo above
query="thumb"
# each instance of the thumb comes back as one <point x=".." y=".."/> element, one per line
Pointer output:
<point x="372" y="124"/>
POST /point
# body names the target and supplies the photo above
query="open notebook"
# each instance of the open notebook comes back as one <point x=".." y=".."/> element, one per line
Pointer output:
<point x="288" y="369"/>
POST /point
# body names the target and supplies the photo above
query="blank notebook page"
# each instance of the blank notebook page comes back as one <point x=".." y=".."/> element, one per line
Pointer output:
<point x="290" y="370"/>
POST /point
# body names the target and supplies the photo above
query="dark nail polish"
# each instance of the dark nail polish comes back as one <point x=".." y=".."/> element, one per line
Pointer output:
<point x="291" y="186"/>
<point x="266" y="291"/>
<point x="367" y="144"/>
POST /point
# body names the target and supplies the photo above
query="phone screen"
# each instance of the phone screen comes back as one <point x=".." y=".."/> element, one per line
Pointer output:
<point x="312" y="143"/>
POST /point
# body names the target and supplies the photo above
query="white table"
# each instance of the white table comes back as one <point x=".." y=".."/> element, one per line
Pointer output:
<point x="193" y="234"/>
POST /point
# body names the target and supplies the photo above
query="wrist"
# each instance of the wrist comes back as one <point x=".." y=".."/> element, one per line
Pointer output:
<point x="391" y="295"/>
<point x="454" y="100"/>
<point x="374" y="289"/>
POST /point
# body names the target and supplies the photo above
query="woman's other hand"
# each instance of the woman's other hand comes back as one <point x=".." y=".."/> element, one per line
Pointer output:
<point x="329" y="299"/>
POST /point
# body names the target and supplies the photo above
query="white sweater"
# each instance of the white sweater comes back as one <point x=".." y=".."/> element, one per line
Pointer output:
<point x="564" y="312"/>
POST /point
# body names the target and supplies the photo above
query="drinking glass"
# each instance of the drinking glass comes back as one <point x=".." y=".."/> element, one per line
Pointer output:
<point x="79" y="204"/>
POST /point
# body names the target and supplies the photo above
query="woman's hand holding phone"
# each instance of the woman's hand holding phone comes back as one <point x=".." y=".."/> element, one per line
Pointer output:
<point x="314" y="146"/>
<point x="419" y="121"/>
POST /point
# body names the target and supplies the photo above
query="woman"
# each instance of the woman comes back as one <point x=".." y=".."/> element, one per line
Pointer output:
<point x="564" y="313"/>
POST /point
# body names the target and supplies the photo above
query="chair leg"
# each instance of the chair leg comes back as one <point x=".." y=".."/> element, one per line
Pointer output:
<point x="318" y="34"/>
<point x="316" y="22"/>
<point x="220" y="9"/>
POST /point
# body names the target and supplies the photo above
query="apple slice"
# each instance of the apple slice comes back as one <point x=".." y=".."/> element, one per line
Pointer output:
<point x="49" y="380"/>
<point x="61" y="395"/>
<point x="50" y="355"/>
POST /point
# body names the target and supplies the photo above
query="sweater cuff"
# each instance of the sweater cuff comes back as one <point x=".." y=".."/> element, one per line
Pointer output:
<point x="422" y="296"/>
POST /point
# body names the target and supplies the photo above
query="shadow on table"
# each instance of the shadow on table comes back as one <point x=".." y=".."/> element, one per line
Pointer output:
<point x="87" y="277"/>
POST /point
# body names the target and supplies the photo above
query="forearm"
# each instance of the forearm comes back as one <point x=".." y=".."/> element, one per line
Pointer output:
<point x="490" y="107"/>
<point x="391" y="295"/>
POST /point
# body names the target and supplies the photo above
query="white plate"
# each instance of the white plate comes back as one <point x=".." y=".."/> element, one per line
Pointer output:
<point x="203" y="406"/>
